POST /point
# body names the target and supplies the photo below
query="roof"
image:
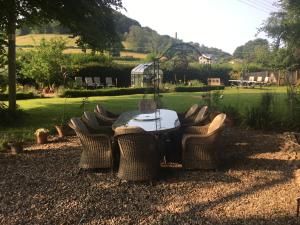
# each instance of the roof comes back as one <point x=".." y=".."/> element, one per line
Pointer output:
<point x="207" y="56"/>
<point x="145" y="68"/>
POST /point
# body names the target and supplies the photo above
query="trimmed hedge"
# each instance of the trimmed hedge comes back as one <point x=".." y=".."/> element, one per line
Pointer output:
<point x="19" y="96"/>
<point x="105" y="92"/>
<point x="131" y="91"/>
<point x="198" y="89"/>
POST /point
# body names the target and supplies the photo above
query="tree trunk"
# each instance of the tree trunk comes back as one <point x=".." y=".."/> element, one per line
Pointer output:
<point x="11" y="32"/>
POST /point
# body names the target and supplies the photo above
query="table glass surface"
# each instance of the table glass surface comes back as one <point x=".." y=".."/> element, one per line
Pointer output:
<point x="160" y="120"/>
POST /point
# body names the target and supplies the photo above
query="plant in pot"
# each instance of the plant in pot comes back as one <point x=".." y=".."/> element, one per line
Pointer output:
<point x="14" y="142"/>
<point x="41" y="135"/>
<point x="63" y="129"/>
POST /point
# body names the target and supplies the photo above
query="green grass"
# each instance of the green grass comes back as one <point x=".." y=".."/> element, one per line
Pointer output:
<point x="48" y="112"/>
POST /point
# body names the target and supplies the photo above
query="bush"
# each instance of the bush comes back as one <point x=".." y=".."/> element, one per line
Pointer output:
<point x="20" y="96"/>
<point x="8" y="117"/>
<point x="198" y="89"/>
<point x="262" y="116"/>
<point x="105" y="92"/>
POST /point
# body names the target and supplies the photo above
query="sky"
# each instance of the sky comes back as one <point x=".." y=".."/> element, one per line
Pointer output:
<point x="223" y="24"/>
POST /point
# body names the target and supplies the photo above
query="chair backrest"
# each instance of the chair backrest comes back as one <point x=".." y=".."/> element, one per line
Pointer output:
<point x="267" y="79"/>
<point x="147" y="106"/>
<point x="97" y="80"/>
<point x="135" y="142"/>
<point x="79" y="125"/>
<point x="108" y="81"/>
<point x="78" y="81"/>
<point x="100" y="109"/>
<point x="88" y="80"/>
<point x="91" y="120"/>
<point x="251" y="78"/>
<point x="201" y="114"/>
<point x="192" y="110"/>
<point x="217" y="122"/>
<point x="259" y="79"/>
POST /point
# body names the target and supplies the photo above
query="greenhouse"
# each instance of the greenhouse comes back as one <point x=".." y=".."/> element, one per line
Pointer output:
<point x="145" y="74"/>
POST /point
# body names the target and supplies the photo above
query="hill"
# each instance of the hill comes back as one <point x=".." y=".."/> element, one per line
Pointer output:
<point x="134" y="37"/>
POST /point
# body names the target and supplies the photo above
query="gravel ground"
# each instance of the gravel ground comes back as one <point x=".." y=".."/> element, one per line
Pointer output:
<point x="255" y="185"/>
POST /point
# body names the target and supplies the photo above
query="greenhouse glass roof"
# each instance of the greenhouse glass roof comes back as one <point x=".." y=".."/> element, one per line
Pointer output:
<point x="144" y="69"/>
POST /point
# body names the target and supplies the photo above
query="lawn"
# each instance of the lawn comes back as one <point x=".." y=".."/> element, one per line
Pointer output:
<point x="48" y="112"/>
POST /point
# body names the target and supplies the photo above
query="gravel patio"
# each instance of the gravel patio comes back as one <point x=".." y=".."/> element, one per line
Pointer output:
<point x="255" y="185"/>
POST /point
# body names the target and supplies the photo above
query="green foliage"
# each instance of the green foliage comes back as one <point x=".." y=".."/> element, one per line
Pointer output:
<point x="293" y="103"/>
<point x="198" y="89"/>
<point x="256" y="51"/>
<point x="232" y="113"/>
<point x="104" y="92"/>
<point x="264" y="115"/>
<point x="144" y="39"/>
<point x="9" y="117"/>
<point x="81" y="59"/>
<point x="20" y="96"/>
<point x="45" y="63"/>
<point x="284" y="28"/>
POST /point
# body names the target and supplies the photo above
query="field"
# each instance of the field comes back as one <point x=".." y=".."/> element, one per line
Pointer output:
<point x="25" y="41"/>
<point x="47" y="112"/>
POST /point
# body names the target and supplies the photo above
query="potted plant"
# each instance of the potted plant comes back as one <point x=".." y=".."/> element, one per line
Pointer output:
<point x="14" y="143"/>
<point x="41" y="135"/>
<point x="63" y="129"/>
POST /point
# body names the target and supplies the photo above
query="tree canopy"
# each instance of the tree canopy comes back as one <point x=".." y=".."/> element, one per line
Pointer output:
<point x="91" y="20"/>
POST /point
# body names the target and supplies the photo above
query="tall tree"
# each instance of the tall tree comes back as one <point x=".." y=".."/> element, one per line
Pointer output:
<point x="89" y="19"/>
<point x="284" y="28"/>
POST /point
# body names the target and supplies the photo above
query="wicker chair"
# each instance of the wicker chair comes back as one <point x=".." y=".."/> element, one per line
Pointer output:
<point x="199" y="145"/>
<point x="147" y="106"/>
<point x="198" y="119"/>
<point x="187" y="115"/>
<point x="100" y="109"/>
<point x="139" y="155"/>
<point x="97" y="148"/>
<point x="102" y="117"/>
<point x="90" y="120"/>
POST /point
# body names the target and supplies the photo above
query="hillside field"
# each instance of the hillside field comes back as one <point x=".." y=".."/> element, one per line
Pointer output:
<point x="24" y="41"/>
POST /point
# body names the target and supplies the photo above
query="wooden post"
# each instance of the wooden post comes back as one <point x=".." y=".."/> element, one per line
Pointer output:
<point x="11" y="31"/>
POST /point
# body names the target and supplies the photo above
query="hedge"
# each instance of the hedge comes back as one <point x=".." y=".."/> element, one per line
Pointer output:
<point x="105" y="92"/>
<point x="198" y="89"/>
<point x="131" y="91"/>
<point x="19" y="96"/>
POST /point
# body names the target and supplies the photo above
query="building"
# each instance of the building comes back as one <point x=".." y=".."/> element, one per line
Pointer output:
<point x="206" y="59"/>
<point x="144" y="75"/>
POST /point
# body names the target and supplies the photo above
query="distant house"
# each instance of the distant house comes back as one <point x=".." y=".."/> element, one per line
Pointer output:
<point x="206" y="59"/>
<point x="211" y="81"/>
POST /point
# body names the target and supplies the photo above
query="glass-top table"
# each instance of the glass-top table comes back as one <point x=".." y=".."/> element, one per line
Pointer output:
<point x="162" y="120"/>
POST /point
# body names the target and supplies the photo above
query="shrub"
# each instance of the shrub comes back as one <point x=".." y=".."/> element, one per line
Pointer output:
<point x="19" y="95"/>
<point x="198" y="89"/>
<point x="105" y="92"/>
<point x="8" y="117"/>
<point x="262" y="116"/>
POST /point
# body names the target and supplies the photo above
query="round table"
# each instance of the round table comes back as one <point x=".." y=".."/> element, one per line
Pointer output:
<point x="160" y="121"/>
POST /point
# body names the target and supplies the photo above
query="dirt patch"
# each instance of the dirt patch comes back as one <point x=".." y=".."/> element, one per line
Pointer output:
<point x="254" y="185"/>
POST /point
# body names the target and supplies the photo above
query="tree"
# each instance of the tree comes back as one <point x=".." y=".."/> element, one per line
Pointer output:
<point x="91" y="20"/>
<point x="45" y="63"/>
<point x="256" y="51"/>
<point x="284" y="28"/>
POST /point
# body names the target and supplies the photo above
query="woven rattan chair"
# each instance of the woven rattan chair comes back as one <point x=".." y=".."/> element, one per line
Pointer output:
<point x="90" y="120"/>
<point x="198" y="119"/>
<point x="188" y="114"/>
<point x="147" y="106"/>
<point x="97" y="148"/>
<point x="100" y="109"/>
<point x="199" y="145"/>
<point x="139" y="155"/>
<point x="105" y="117"/>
